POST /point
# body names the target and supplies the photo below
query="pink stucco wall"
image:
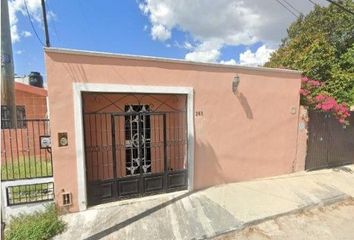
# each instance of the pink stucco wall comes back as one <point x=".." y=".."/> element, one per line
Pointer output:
<point x="238" y="137"/>
<point x="302" y="136"/>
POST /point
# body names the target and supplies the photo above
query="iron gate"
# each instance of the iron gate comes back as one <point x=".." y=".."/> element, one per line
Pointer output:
<point x="329" y="143"/>
<point x="26" y="150"/>
<point x="134" y="153"/>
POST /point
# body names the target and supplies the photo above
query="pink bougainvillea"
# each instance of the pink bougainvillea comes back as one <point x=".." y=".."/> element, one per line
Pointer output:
<point x="312" y="97"/>
<point x="329" y="104"/>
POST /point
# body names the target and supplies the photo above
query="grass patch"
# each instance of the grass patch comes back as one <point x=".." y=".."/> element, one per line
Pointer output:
<point x="37" y="226"/>
<point x="21" y="168"/>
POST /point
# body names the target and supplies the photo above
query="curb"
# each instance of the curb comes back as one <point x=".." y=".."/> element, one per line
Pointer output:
<point x="322" y="203"/>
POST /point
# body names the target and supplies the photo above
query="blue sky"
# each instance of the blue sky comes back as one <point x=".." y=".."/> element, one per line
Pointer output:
<point x="226" y="31"/>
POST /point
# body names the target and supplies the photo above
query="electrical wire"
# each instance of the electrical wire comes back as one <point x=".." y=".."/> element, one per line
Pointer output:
<point x="30" y="20"/>
<point x="290" y="5"/>
<point x="340" y="6"/>
<point x="295" y="15"/>
<point x="313" y="2"/>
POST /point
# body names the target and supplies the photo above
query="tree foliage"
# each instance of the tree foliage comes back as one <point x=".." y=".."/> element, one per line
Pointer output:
<point x="321" y="45"/>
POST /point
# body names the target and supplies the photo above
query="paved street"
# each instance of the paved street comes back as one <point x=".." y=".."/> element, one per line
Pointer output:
<point x="332" y="222"/>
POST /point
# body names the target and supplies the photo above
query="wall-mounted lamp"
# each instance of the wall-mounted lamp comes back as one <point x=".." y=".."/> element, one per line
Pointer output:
<point x="235" y="83"/>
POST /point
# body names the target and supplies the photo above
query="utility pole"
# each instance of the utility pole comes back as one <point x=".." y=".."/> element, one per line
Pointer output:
<point x="47" y="43"/>
<point x="7" y="67"/>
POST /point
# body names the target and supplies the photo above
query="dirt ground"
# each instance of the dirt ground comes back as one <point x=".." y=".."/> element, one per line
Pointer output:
<point x="332" y="222"/>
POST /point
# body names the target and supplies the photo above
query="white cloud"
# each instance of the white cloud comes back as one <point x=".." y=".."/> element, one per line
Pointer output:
<point x="187" y="45"/>
<point x="19" y="52"/>
<point x="160" y="32"/>
<point x="203" y="56"/>
<point x="229" y="62"/>
<point x="26" y="34"/>
<point x="227" y="22"/>
<point x="18" y="7"/>
<point x="257" y="58"/>
<point x="51" y="16"/>
<point x="15" y="37"/>
<point x="208" y="51"/>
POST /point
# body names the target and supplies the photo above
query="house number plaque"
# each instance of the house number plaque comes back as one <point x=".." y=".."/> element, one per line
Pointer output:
<point x="63" y="139"/>
<point x="199" y="113"/>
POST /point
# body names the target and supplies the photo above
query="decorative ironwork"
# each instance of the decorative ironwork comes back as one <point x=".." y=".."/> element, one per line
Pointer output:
<point x="138" y="99"/>
<point x="29" y="193"/>
<point x="135" y="151"/>
<point x="137" y="139"/>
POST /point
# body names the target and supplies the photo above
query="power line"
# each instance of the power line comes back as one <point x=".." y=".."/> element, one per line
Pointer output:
<point x="340" y="6"/>
<point x="287" y="8"/>
<point x="290" y="5"/>
<point x="30" y="20"/>
<point x="313" y="2"/>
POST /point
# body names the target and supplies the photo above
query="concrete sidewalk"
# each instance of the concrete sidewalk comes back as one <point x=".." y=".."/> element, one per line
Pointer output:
<point x="213" y="211"/>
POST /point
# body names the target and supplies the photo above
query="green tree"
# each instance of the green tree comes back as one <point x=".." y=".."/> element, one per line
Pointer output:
<point x="321" y="45"/>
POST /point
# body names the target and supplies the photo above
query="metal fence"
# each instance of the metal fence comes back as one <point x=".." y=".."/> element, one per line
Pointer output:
<point x="329" y="144"/>
<point x="26" y="150"/>
<point x="29" y="193"/>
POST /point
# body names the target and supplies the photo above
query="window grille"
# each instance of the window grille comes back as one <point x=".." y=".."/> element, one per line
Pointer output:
<point x="30" y="193"/>
<point x="5" y="117"/>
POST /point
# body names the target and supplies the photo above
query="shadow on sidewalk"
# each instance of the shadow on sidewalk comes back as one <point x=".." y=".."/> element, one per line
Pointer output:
<point x="344" y="169"/>
<point x="131" y="220"/>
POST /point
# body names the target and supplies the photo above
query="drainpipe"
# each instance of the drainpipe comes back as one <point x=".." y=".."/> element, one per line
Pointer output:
<point x="7" y="65"/>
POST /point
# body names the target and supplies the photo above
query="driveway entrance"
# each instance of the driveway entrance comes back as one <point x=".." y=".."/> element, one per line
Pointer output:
<point x="139" y="149"/>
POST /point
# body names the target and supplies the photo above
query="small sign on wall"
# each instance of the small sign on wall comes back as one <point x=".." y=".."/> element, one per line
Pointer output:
<point x="199" y="113"/>
<point x="63" y="139"/>
<point x="45" y="142"/>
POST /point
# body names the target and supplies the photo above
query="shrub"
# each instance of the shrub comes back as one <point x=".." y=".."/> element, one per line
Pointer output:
<point x="312" y="96"/>
<point x="37" y="226"/>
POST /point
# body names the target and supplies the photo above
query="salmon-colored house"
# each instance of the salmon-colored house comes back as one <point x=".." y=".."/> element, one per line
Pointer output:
<point x="33" y="99"/>
<point x="129" y="126"/>
<point x="31" y="104"/>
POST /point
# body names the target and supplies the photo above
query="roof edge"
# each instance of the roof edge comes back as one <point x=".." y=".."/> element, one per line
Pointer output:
<point x="166" y="60"/>
<point x="31" y="89"/>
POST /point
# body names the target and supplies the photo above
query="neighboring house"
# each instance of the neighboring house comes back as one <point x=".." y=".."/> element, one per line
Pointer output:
<point x="31" y="104"/>
<point x="129" y="126"/>
<point x="26" y="166"/>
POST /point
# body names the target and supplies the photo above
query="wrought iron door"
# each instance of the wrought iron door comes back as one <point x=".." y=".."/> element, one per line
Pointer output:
<point x="137" y="139"/>
<point x="144" y="159"/>
<point x="135" y="145"/>
<point x="141" y="154"/>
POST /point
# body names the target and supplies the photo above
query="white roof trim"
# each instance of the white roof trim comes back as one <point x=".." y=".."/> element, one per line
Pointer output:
<point x="166" y="60"/>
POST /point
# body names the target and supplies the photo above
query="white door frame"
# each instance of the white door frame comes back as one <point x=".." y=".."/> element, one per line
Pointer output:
<point x="78" y="88"/>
